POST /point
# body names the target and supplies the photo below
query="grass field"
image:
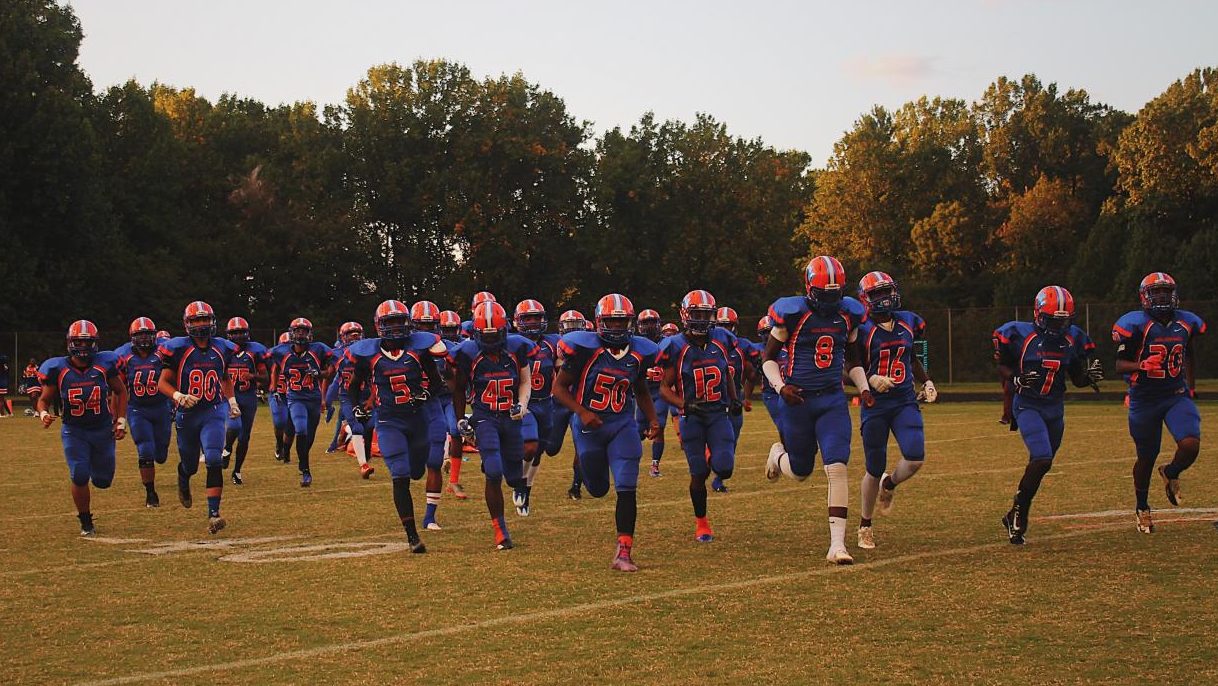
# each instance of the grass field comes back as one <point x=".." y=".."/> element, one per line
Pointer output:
<point x="942" y="599"/>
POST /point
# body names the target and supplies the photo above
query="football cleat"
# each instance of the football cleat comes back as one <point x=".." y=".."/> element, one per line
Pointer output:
<point x="866" y="538"/>
<point x="1011" y="521"/>
<point x="1146" y="524"/>
<point x="215" y="525"/>
<point x="86" y="525"/>
<point x="575" y="493"/>
<point x="1171" y="486"/>
<point x="520" y="498"/>
<point x="432" y="525"/>
<point x="772" y="471"/>
<point x="718" y="486"/>
<point x="703" y="534"/>
<point x="237" y="479"/>
<point x="366" y="470"/>
<point x="884" y="498"/>
<point x="416" y="545"/>
<point x="306" y="480"/>
<point x="622" y="561"/>
<point x="224" y="458"/>
<point x="839" y="556"/>
<point x="504" y="544"/>
<point x="655" y="469"/>
<point x="184" y="495"/>
<point x="458" y="491"/>
<point x="152" y="499"/>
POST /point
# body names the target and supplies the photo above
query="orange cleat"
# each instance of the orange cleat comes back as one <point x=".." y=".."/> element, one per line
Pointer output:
<point x="457" y="491"/>
<point x="366" y="470"/>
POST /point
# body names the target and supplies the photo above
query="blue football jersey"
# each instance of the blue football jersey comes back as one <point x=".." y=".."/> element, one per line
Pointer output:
<point x="84" y="393"/>
<point x="544" y="366"/>
<point x="891" y="354"/>
<point x="1139" y="336"/>
<point x="301" y="372"/>
<point x="142" y="375"/>
<point x="397" y="378"/>
<point x="703" y="372"/>
<point x="244" y="368"/>
<point x="604" y="383"/>
<point x="199" y="370"/>
<point x="1021" y="346"/>
<point x="815" y="345"/>
<point x="493" y="379"/>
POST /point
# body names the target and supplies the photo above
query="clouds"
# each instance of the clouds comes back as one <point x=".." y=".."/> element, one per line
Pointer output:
<point x="899" y="70"/>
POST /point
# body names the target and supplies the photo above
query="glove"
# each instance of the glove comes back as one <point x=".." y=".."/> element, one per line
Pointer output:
<point x="1151" y="364"/>
<point x="735" y="408"/>
<point x="281" y="397"/>
<point x="929" y="393"/>
<point x="120" y="428"/>
<point x="880" y="384"/>
<point x="1095" y="371"/>
<point x="1032" y="379"/>
<point x="329" y="412"/>
<point x="465" y="428"/>
<point x="313" y="373"/>
<point x="361" y="413"/>
<point x="261" y="395"/>
<point x="234" y="410"/>
<point x="184" y="400"/>
<point x="517" y="412"/>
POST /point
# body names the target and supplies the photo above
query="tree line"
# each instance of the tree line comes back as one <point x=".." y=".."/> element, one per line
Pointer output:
<point x="427" y="181"/>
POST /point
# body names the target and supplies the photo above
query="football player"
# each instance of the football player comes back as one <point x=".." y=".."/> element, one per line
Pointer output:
<point x="669" y="329"/>
<point x="529" y="319"/>
<point x="147" y="409"/>
<point x="698" y="381"/>
<point x="425" y="317"/>
<point x="247" y="371"/>
<point x="87" y="382"/>
<point x="195" y="376"/>
<point x="6" y="405"/>
<point x="361" y="442"/>
<point x="743" y="359"/>
<point x="494" y="371"/>
<point x="602" y="375"/>
<point x="818" y="331"/>
<point x="886" y="347"/>
<point x="31" y="386"/>
<point x="571" y="320"/>
<point x="400" y="364"/>
<point x="305" y="364"/>
<point x="1037" y="357"/>
<point x="278" y="404"/>
<point x="451" y="333"/>
<point x="648" y="326"/>
<point x="1155" y="353"/>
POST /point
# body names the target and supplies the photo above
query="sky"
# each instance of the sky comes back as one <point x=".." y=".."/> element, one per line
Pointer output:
<point x="795" y="74"/>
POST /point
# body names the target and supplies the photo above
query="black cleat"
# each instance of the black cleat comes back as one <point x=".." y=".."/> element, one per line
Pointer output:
<point x="151" y="499"/>
<point x="1170" y="486"/>
<point x="184" y="496"/>
<point x="1011" y="523"/>
<point x="86" y="525"/>
<point x="574" y="493"/>
<point x="224" y="458"/>
<point x="416" y="545"/>
<point x="237" y="479"/>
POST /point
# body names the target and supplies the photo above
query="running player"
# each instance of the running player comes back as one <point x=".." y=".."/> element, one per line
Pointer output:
<point x="425" y="317"/>
<point x="529" y="319"/>
<point x="400" y="366"/>
<point x="450" y="332"/>
<point x="886" y="347"/>
<point x="1033" y="356"/>
<point x="350" y="333"/>
<point x="1155" y="352"/>
<point x="493" y="370"/>
<point x="247" y="372"/>
<point x="608" y="371"/>
<point x="87" y="382"/>
<point x="698" y="379"/>
<point x="305" y="364"/>
<point x="195" y="376"/>
<point x="147" y="409"/>
<point x="648" y="326"/>
<point x="571" y="320"/>
<point x="817" y="330"/>
<point x="278" y="404"/>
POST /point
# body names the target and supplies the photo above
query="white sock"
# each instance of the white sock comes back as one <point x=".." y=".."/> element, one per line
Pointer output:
<point x="530" y="474"/>
<point x="905" y="469"/>
<point x="869" y="489"/>
<point x="357" y="442"/>
<point x="784" y="463"/>
<point x="839" y="497"/>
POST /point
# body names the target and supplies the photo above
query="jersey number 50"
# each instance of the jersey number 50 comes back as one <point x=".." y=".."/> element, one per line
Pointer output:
<point x="608" y="393"/>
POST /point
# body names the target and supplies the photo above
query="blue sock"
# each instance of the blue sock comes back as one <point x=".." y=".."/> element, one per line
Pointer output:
<point x="503" y="527"/>
<point x="213" y="506"/>
<point x="429" y="515"/>
<point x="657" y="450"/>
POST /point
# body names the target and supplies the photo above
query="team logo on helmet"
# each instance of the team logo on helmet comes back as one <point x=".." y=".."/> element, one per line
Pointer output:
<point x="1054" y="308"/>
